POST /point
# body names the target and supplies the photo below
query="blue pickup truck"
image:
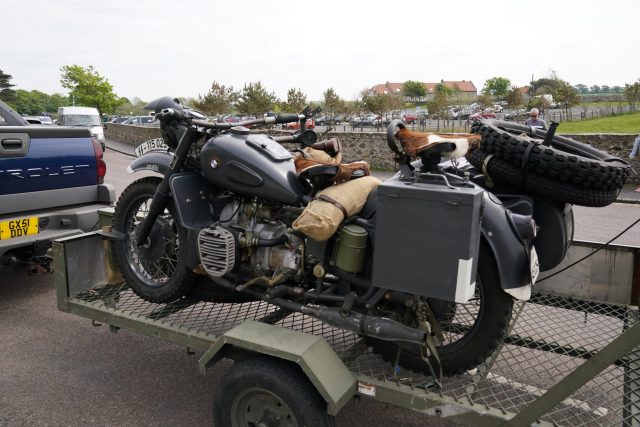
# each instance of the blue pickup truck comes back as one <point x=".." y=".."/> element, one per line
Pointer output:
<point x="51" y="186"/>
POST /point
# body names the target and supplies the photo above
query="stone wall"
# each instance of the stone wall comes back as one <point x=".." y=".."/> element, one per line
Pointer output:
<point x="372" y="146"/>
<point x="130" y="134"/>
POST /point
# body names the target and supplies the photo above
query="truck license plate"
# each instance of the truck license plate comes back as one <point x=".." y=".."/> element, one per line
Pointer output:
<point x="18" y="228"/>
<point x="151" y="145"/>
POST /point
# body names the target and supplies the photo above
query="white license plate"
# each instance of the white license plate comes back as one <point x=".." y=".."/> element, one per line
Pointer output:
<point x="151" y="145"/>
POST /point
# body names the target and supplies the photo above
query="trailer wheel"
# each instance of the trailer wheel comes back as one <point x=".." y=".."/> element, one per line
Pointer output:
<point x="269" y="392"/>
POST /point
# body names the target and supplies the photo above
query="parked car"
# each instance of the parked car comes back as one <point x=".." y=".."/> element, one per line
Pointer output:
<point x="423" y="116"/>
<point x="409" y="118"/>
<point x="141" y="121"/>
<point x="119" y="120"/>
<point x="232" y="118"/>
<point x="366" y="120"/>
<point x="39" y="120"/>
<point x="487" y="114"/>
<point x="310" y="124"/>
<point x="85" y="117"/>
<point x="516" y="114"/>
<point x="51" y="187"/>
<point x="326" y="119"/>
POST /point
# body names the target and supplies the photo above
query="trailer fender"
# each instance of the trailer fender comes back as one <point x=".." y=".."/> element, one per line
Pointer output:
<point x="331" y="378"/>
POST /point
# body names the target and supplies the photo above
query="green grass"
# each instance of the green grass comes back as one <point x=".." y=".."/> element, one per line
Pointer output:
<point x="626" y="123"/>
<point x="604" y="104"/>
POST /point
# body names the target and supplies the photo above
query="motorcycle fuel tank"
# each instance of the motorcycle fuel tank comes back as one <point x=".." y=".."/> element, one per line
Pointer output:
<point x="252" y="165"/>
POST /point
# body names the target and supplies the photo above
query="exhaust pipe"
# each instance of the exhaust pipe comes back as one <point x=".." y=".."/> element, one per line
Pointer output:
<point x="379" y="327"/>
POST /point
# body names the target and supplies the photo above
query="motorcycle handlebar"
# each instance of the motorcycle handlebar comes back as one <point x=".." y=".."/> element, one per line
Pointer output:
<point x="288" y="118"/>
<point x="280" y="118"/>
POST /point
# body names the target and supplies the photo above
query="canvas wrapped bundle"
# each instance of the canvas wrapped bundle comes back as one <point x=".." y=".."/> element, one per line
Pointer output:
<point x="322" y="217"/>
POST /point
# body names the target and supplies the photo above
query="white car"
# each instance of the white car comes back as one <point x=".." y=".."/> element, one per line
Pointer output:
<point x="82" y="116"/>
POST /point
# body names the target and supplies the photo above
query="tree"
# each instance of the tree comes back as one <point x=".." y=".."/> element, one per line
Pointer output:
<point x="414" y="90"/>
<point x="582" y="88"/>
<point x="595" y="89"/>
<point x="378" y="103"/>
<point x="566" y="95"/>
<point x="332" y="102"/>
<point x="6" y="93"/>
<point x="440" y="100"/>
<point x="88" y="88"/>
<point x="544" y="85"/>
<point x="218" y="100"/>
<point x="514" y="98"/>
<point x="497" y="87"/>
<point x="296" y="101"/>
<point x="133" y="107"/>
<point x="25" y="102"/>
<point x="539" y="102"/>
<point x="255" y="100"/>
<point x="485" y="100"/>
<point x="632" y="94"/>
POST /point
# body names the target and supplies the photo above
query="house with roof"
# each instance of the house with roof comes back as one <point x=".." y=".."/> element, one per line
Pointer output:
<point x="466" y="88"/>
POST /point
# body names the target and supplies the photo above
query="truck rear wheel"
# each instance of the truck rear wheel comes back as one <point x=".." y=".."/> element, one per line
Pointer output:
<point x="265" y="391"/>
<point x="156" y="270"/>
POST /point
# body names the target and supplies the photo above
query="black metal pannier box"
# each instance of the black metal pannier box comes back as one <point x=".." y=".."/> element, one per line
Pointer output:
<point x="427" y="239"/>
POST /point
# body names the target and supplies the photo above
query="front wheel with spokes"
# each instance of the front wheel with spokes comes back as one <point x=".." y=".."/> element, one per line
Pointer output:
<point x="156" y="269"/>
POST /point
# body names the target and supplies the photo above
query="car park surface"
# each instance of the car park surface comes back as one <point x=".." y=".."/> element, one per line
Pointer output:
<point x="62" y="370"/>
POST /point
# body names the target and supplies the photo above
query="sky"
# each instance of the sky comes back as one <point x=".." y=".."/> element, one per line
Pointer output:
<point x="153" y="48"/>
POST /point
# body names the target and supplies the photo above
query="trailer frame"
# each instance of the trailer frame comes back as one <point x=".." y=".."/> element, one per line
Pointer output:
<point x="593" y="360"/>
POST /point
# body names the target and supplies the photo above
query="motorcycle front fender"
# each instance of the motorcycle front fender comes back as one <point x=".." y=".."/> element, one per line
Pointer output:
<point x="511" y="256"/>
<point x="156" y="161"/>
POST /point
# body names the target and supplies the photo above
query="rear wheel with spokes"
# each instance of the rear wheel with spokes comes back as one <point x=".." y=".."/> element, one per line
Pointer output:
<point x="470" y="331"/>
<point x="155" y="269"/>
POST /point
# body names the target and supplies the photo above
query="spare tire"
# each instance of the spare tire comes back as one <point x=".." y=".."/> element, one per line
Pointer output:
<point x="513" y="177"/>
<point x="566" y="162"/>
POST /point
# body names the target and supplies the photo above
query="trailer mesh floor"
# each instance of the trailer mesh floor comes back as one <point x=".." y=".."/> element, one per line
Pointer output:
<point x="549" y="337"/>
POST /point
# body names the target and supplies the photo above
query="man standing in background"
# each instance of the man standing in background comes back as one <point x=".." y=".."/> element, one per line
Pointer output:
<point x="534" y="120"/>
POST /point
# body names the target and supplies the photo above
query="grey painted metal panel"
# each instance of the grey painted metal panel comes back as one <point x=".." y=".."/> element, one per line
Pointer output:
<point x="607" y="275"/>
<point x="427" y="239"/>
<point x="22" y="202"/>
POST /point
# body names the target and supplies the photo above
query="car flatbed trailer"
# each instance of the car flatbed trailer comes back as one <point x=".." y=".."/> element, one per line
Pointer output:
<point x="571" y="356"/>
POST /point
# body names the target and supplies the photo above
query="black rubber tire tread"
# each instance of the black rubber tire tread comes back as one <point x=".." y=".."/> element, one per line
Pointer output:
<point x="485" y="336"/>
<point x="181" y="281"/>
<point x="282" y="378"/>
<point x="513" y="176"/>
<point x="566" y="160"/>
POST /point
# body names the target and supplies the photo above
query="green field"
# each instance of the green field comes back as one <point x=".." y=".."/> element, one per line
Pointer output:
<point x="627" y="123"/>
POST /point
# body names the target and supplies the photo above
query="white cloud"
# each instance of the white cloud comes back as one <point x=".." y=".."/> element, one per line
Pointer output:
<point x="159" y="47"/>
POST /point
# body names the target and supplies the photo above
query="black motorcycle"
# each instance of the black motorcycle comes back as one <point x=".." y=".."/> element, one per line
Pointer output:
<point x="222" y="215"/>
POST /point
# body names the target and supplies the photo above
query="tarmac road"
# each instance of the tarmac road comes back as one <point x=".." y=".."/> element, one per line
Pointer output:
<point x="57" y="369"/>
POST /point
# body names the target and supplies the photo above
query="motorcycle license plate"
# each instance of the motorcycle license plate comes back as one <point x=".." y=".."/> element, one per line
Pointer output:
<point x="151" y="145"/>
<point x="534" y="265"/>
<point x="18" y="228"/>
